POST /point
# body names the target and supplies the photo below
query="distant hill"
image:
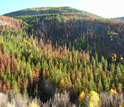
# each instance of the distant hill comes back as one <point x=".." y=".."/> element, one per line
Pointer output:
<point x="45" y="10"/>
<point x="121" y="18"/>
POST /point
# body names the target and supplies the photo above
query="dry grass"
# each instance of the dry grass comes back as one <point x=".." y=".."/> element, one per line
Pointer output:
<point x="54" y="98"/>
<point x="107" y="100"/>
<point x="52" y="95"/>
<point x="3" y="99"/>
<point x="47" y="91"/>
<point x="60" y="100"/>
<point x="35" y="101"/>
<point x="17" y="99"/>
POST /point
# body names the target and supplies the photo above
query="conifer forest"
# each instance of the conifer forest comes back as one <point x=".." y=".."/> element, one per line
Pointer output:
<point x="61" y="57"/>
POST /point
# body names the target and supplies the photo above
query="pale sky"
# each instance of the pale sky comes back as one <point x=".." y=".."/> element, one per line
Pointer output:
<point x="103" y="8"/>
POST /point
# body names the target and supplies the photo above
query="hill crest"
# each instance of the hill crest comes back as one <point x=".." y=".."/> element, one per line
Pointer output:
<point x="45" y="10"/>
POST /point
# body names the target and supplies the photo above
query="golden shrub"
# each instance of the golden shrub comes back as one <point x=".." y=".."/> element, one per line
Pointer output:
<point x="112" y="91"/>
<point x="121" y="58"/>
<point x="90" y="104"/>
<point x="33" y="105"/>
<point x="94" y="98"/>
<point x="81" y="97"/>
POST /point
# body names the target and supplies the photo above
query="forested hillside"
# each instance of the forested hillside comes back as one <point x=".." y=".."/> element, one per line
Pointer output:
<point x="84" y="32"/>
<point x="64" y="57"/>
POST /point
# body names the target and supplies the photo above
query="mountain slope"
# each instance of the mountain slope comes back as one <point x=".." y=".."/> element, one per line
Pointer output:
<point x="78" y="52"/>
<point x="9" y="22"/>
<point x="65" y="25"/>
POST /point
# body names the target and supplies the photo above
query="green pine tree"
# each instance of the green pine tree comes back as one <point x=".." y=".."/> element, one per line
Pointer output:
<point x="118" y="73"/>
<point x="25" y="93"/>
<point x="90" y="87"/>
<point x="100" y="87"/>
<point x="84" y="82"/>
<point x="105" y="82"/>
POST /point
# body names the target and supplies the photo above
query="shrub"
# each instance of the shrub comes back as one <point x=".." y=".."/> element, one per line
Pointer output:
<point x="81" y="97"/>
<point x="33" y="105"/>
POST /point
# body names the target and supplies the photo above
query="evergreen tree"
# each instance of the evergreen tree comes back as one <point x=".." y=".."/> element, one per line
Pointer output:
<point x="79" y="84"/>
<point x="119" y="87"/>
<point x="38" y="66"/>
<point x="14" y="84"/>
<point x="116" y="80"/>
<point x="22" y="75"/>
<point x="105" y="82"/>
<point x="90" y="87"/>
<point x="100" y="87"/>
<point x="9" y="74"/>
<point x="118" y="73"/>
<point x="25" y="94"/>
<point x="93" y="63"/>
<point x="91" y="76"/>
<point x="84" y="82"/>
<point x="68" y="82"/>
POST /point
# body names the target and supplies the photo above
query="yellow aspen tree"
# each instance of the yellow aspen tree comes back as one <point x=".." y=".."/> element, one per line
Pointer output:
<point x="62" y="84"/>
